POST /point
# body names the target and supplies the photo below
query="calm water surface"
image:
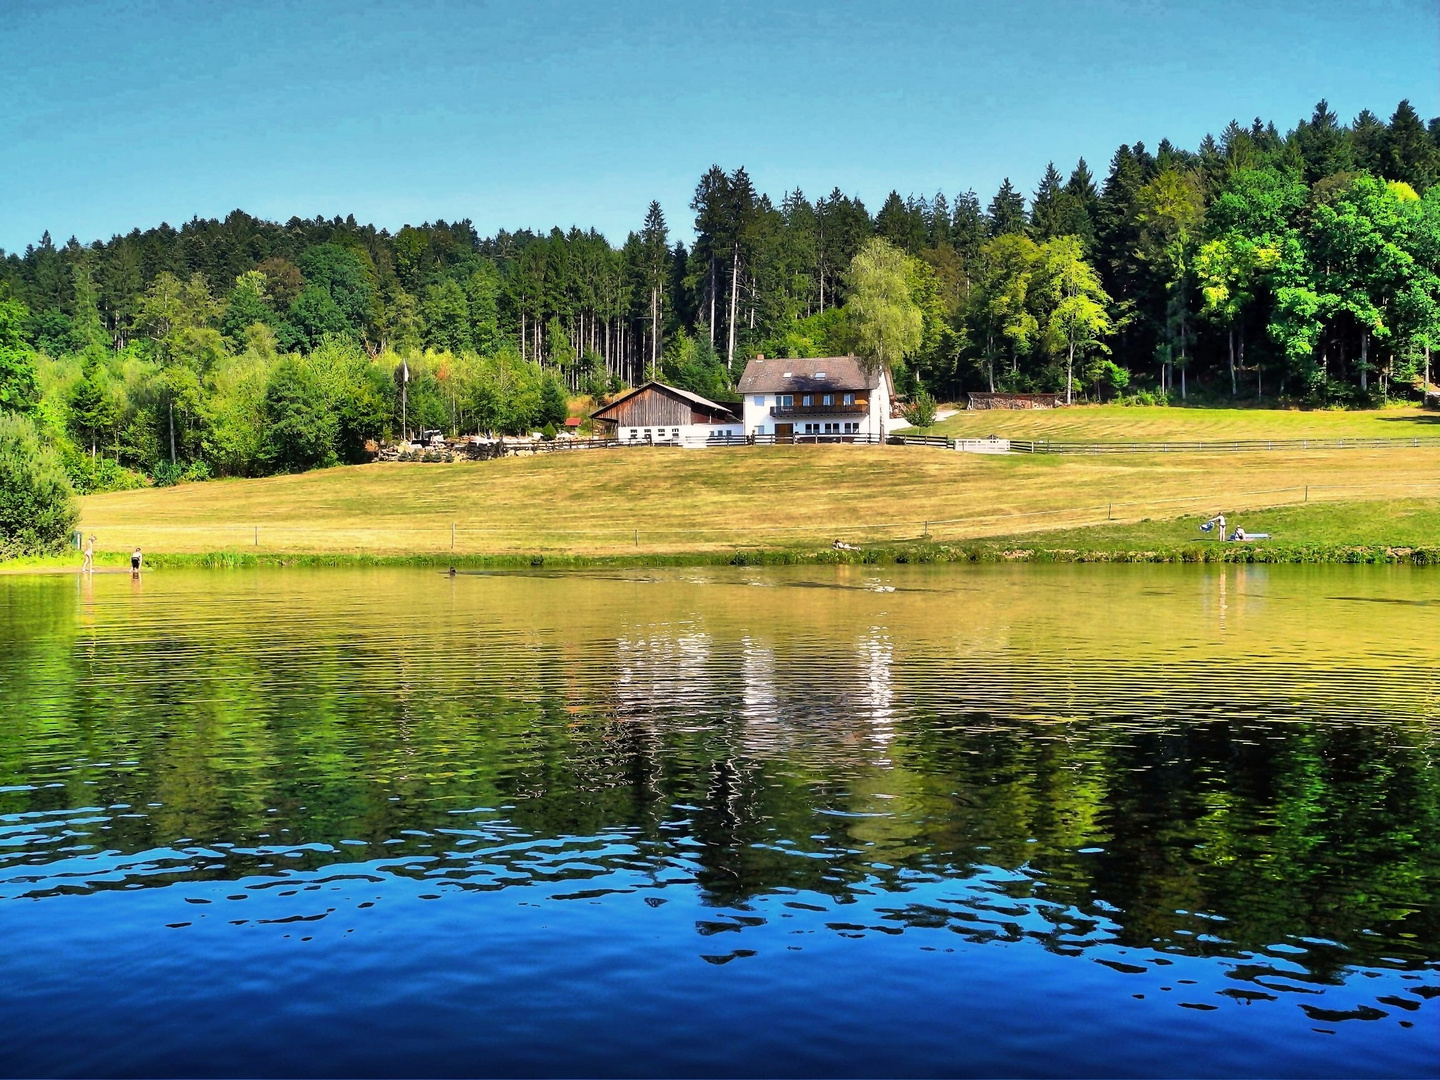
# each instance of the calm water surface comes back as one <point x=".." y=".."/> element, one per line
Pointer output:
<point x="860" y="821"/>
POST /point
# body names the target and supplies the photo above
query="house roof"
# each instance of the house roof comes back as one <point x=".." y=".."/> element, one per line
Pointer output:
<point x="768" y="375"/>
<point x="695" y="401"/>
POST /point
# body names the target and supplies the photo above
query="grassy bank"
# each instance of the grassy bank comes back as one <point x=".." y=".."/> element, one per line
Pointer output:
<point x="1399" y="531"/>
<point x="1404" y="532"/>
<point x="1119" y="423"/>
<point x="657" y="501"/>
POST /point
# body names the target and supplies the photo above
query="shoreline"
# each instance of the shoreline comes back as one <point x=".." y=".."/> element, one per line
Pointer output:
<point x="877" y="555"/>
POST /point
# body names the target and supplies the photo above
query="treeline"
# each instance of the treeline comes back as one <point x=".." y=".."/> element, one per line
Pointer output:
<point x="1303" y="266"/>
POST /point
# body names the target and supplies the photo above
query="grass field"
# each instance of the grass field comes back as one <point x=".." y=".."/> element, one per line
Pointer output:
<point x="1391" y="523"/>
<point x="1117" y="423"/>
<point x="660" y="500"/>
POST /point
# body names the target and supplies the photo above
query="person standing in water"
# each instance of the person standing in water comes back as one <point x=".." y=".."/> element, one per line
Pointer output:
<point x="89" y="563"/>
<point x="135" y="561"/>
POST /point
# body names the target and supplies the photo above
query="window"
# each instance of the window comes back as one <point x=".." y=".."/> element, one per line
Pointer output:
<point x="759" y="399"/>
<point x="675" y="432"/>
<point x="634" y="434"/>
<point x="785" y="401"/>
<point x="819" y="374"/>
<point x="812" y="429"/>
<point x="828" y="399"/>
<point x="807" y="399"/>
<point x="849" y="399"/>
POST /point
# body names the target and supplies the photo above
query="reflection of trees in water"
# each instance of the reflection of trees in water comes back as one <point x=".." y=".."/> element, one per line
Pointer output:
<point x="751" y="765"/>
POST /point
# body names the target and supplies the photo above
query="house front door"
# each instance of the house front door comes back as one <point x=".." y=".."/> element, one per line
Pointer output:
<point x="784" y="433"/>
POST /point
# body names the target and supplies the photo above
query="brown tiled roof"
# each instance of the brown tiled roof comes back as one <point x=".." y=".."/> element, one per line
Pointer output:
<point x="769" y="375"/>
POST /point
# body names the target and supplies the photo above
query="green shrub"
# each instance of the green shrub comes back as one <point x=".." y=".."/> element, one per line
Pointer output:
<point x="37" y="504"/>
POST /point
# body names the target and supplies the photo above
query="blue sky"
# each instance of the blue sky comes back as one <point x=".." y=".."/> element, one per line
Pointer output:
<point x="117" y="113"/>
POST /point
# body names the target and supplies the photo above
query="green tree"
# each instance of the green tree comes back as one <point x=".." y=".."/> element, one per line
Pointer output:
<point x="300" y="427"/>
<point x="921" y="410"/>
<point x="38" y="509"/>
<point x="1077" y="320"/>
<point x="19" y="388"/>
<point x="554" y="407"/>
<point x="1007" y="211"/>
<point x="246" y="305"/>
<point x="888" y="324"/>
<point x="1170" y="210"/>
<point x="446" y="316"/>
<point x="93" y="410"/>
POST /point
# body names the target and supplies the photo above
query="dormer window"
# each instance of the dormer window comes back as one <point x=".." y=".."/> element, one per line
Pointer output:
<point x="789" y="375"/>
<point x="819" y="374"/>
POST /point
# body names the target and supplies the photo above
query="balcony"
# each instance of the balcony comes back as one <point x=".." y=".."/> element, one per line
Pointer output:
<point x="860" y="408"/>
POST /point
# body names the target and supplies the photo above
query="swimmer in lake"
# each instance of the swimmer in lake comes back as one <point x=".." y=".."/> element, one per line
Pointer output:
<point x="89" y="563"/>
<point x="135" y="560"/>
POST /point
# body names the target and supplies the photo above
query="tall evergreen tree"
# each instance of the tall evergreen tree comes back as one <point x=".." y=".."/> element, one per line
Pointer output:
<point x="1409" y="154"/>
<point x="1049" y="212"/>
<point x="1007" y="211"/>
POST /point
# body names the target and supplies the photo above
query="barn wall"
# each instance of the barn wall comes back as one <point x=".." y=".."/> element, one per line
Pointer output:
<point x="650" y="408"/>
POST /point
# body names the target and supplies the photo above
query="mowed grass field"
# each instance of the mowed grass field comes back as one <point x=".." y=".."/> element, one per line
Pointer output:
<point x="1120" y="423"/>
<point x="654" y="500"/>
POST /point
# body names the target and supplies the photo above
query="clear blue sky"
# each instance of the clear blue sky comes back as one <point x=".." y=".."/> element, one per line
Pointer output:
<point x="123" y="113"/>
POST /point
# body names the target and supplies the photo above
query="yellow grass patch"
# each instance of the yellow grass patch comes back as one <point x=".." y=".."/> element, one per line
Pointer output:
<point x="670" y="500"/>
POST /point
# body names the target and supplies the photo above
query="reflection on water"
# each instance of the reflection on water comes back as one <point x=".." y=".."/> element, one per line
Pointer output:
<point x="1103" y="820"/>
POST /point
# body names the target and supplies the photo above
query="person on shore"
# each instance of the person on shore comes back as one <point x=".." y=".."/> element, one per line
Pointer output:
<point x="88" y="564"/>
<point x="135" y="560"/>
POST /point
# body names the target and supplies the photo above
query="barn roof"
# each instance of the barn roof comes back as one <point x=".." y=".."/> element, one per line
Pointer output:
<point x="695" y="401"/>
<point x="767" y="375"/>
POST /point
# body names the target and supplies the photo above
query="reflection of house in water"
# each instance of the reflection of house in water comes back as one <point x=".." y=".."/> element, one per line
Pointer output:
<point x="788" y="698"/>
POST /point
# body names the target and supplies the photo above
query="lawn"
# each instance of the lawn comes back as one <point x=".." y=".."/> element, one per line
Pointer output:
<point x="648" y="500"/>
<point x="1120" y="423"/>
<point x="1390" y="523"/>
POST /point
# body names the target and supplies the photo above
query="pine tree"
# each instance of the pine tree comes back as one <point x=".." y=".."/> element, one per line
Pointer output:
<point x="1409" y="154"/>
<point x="1007" y="210"/>
<point x="1048" y="210"/>
<point x="968" y="227"/>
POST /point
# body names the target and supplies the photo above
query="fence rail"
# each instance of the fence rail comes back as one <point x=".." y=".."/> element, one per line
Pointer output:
<point x="996" y="445"/>
<point x="1211" y="446"/>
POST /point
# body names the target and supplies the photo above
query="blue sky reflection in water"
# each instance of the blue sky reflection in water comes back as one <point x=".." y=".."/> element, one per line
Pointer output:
<point x="1013" y="820"/>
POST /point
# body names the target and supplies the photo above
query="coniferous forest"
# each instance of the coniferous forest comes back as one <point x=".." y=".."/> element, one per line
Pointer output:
<point x="1300" y="267"/>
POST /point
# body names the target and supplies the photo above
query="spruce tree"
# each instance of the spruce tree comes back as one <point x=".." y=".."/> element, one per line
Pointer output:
<point x="1007" y="211"/>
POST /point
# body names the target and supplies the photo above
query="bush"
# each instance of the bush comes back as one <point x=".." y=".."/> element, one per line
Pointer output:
<point x="37" y="504"/>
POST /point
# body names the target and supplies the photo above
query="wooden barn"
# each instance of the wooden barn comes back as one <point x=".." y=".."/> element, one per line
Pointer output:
<point x="657" y="413"/>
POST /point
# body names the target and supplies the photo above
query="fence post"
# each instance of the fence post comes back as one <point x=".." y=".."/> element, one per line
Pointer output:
<point x="1307" y="492"/>
<point x="1110" y="512"/>
<point x="452" y="536"/>
<point x="637" y="537"/>
<point x="257" y="535"/>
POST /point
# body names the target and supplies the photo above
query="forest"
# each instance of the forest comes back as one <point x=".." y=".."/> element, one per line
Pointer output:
<point x="1295" y="268"/>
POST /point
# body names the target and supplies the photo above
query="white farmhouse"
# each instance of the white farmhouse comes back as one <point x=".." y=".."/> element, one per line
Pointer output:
<point x="821" y="400"/>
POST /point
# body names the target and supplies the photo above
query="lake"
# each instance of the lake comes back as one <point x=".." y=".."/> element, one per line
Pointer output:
<point x="995" y="820"/>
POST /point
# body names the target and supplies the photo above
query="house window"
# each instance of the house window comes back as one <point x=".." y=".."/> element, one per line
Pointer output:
<point x="828" y="399"/>
<point x="759" y="399"/>
<point x="811" y="429"/>
<point x="634" y="434"/>
<point x="807" y="399"/>
<point x="849" y="399"/>
<point x="675" y="432"/>
<point x="785" y="401"/>
<point x="819" y="374"/>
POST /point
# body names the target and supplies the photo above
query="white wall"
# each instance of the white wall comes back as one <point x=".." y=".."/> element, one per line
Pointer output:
<point x="684" y="434"/>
